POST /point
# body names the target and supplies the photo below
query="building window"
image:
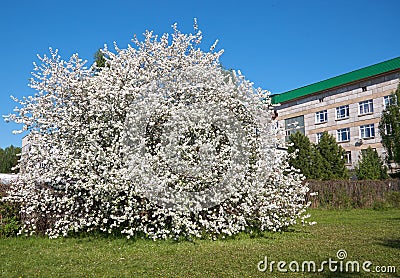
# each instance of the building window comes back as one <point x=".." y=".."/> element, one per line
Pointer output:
<point x="364" y="89"/>
<point x="347" y="157"/>
<point x="342" y="112"/>
<point x="388" y="100"/>
<point x="292" y="125"/>
<point x="366" y="107"/>
<point x="318" y="136"/>
<point x="321" y="99"/>
<point x="367" y="131"/>
<point x="343" y="135"/>
<point x="321" y="117"/>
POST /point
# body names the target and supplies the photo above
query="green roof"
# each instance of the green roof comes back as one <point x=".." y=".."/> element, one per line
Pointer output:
<point x="359" y="74"/>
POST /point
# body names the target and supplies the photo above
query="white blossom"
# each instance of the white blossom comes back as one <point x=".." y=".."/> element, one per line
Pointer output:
<point x="162" y="141"/>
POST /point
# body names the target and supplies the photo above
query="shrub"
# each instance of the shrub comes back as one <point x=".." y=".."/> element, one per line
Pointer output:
<point x="10" y="221"/>
<point x="161" y="141"/>
<point x="393" y="198"/>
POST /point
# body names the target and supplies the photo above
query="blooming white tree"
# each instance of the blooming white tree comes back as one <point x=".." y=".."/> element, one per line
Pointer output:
<point x="161" y="142"/>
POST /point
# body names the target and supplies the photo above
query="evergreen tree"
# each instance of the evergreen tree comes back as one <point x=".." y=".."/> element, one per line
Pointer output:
<point x="333" y="156"/>
<point x="99" y="59"/>
<point x="370" y="166"/>
<point x="2" y="161"/>
<point x="389" y="128"/>
<point x="9" y="159"/>
<point x="308" y="159"/>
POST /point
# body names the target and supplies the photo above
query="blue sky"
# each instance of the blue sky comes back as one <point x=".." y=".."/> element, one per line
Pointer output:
<point x="279" y="45"/>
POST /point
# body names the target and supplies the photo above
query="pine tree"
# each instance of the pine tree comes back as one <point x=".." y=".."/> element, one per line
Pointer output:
<point x="308" y="159"/>
<point x="334" y="157"/>
<point x="301" y="160"/>
<point x="2" y="161"/>
<point x="9" y="159"/>
<point x="99" y="59"/>
<point x="370" y="166"/>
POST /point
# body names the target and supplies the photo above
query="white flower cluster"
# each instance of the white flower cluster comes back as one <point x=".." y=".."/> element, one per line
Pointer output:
<point x="161" y="142"/>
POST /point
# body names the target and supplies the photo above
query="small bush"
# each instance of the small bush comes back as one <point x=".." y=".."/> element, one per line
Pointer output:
<point x="9" y="226"/>
<point x="10" y="220"/>
<point x="381" y="205"/>
<point x="393" y="198"/>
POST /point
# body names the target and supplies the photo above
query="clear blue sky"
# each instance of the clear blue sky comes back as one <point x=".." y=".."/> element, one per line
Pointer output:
<point x="278" y="44"/>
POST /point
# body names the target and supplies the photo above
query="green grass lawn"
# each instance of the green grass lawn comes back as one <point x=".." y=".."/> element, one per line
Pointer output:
<point x="366" y="235"/>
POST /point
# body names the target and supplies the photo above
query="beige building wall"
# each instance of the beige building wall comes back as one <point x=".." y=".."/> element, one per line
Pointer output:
<point x="375" y="89"/>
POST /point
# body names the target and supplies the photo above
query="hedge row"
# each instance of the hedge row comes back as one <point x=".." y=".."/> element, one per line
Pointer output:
<point x="355" y="194"/>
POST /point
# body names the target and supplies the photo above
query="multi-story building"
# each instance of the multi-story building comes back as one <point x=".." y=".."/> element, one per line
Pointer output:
<point x="348" y="106"/>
